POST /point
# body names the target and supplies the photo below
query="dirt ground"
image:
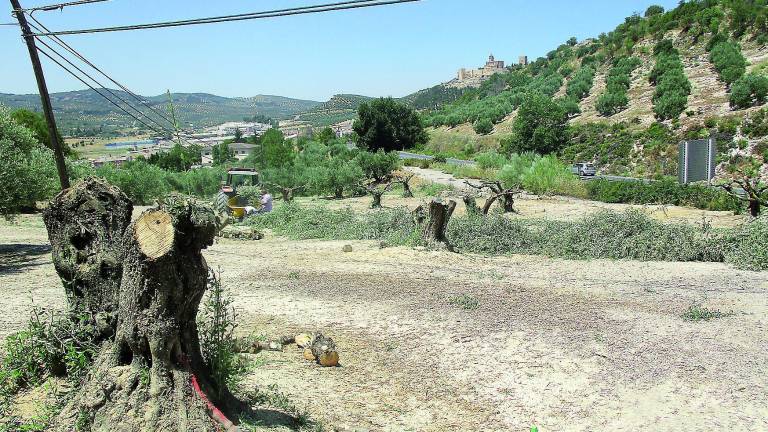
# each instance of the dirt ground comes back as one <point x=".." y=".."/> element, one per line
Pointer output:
<point x="435" y="341"/>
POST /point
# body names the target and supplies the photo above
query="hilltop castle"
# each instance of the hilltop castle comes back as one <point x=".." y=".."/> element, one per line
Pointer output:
<point x="491" y="67"/>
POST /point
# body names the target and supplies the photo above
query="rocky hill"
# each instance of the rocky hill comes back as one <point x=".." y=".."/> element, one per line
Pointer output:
<point x="628" y="96"/>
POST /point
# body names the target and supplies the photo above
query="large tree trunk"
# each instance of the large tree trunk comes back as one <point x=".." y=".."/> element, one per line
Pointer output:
<point x="152" y="377"/>
<point x="434" y="231"/>
<point x="376" y="203"/>
<point x="471" y="204"/>
<point x="754" y="208"/>
<point x="85" y="226"/>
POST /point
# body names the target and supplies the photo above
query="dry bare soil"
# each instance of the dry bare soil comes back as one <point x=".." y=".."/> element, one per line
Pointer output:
<point x="435" y="341"/>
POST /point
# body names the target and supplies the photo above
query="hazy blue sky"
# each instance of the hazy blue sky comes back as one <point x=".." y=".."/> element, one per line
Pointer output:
<point x="389" y="50"/>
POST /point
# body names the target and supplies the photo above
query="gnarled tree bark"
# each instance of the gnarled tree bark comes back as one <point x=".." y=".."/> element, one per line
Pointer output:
<point x="439" y="215"/>
<point x="86" y="224"/>
<point x="507" y="196"/>
<point x="405" y="180"/>
<point x="152" y="377"/>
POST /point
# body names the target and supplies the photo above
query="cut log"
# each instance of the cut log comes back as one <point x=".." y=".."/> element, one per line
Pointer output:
<point x="85" y="226"/>
<point x="152" y="377"/>
<point x="434" y="232"/>
<point x="324" y="351"/>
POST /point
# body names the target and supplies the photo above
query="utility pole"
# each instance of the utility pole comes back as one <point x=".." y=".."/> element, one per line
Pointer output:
<point x="45" y="98"/>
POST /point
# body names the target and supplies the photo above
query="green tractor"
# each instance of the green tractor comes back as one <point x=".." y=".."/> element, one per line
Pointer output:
<point x="228" y="201"/>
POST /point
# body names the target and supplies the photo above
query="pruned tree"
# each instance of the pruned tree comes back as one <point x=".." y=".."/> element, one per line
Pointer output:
<point x="286" y="192"/>
<point x="405" y="180"/>
<point x="745" y="183"/>
<point x="439" y="216"/>
<point x="377" y="191"/>
<point x="151" y="276"/>
<point x="497" y="191"/>
<point x="471" y="204"/>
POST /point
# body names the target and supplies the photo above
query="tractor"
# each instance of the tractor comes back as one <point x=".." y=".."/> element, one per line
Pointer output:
<point x="228" y="201"/>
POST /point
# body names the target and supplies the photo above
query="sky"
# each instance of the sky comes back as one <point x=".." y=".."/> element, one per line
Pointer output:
<point x="381" y="51"/>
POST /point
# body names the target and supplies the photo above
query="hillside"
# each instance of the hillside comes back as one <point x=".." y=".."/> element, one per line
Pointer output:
<point x="629" y="95"/>
<point x="87" y="112"/>
<point x="339" y="108"/>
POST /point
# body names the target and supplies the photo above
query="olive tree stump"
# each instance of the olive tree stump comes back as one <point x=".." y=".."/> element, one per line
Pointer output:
<point x="434" y="231"/>
<point x="85" y="226"/>
<point x="152" y="376"/>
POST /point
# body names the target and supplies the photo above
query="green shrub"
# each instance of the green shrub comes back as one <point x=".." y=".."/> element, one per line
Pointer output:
<point x="728" y="60"/>
<point x="547" y="176"/>
<point x="483" y="126"/>
<point x="749" y="90"/>
<point x="216" y="323"/>
<point x="50" y="346"/>
<point x="672" y="86"/>
<point x="756" y="125"/>
<point x="490" y="159"/>
<point x="440" y="158"/>
<point x="615" y="99"/>
<point x="581" y="83"/>
<point x="377" y="165"/>
<point x="605" y="234"/>
<point x="27" y="170"/>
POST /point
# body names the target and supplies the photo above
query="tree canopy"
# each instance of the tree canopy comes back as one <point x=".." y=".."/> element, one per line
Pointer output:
<point x="388" y="125"/>
<point x="540" y="126"/>
<point x="36" y="123"/>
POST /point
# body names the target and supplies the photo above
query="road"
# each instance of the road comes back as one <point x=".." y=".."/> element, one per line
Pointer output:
<point x="409" y="155"/>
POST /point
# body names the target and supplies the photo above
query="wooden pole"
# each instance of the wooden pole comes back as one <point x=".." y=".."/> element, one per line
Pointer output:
<point x="45" y="98"/>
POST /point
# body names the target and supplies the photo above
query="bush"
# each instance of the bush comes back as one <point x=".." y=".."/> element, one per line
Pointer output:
<point x="377" y="165"/>
<point x="672" y="86"/>
<point x="756" y="125"/>
<point x="540" y="126"/>
<point x="605" y="234"/>
<point x="548" y="176"/>
<point x="483" y="126"/>
<point x="50" y="346"/>
<point x="615" y="99"/>
<point x="27" y="170"/>
<point x="490" y="159"/>
<point x="750" y="89"/>
<point x="216" y="323"/>
<point x="728" y="60"/>
<point x="395" y="226"/>
<point x="581" y="83"/>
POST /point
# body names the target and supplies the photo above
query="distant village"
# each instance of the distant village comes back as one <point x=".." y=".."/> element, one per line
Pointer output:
<point x="210" y="137"/>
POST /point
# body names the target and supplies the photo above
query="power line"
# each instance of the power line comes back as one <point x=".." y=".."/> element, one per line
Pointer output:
<point x="43" y="52"/>
<point x="239" y="17"/>
<point x="67" y="47"/>
<point x="115" y="95"/>
<point x="60" y="6"/>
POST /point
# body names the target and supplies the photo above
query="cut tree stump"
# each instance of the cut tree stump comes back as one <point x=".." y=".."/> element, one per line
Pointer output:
<point x="152" y="376"/>
<point x="434" y="232"/>
<point x="86" y="224"/>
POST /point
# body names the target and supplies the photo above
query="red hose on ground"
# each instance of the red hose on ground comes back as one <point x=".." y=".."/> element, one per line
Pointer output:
<point x="215" y="413"/>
